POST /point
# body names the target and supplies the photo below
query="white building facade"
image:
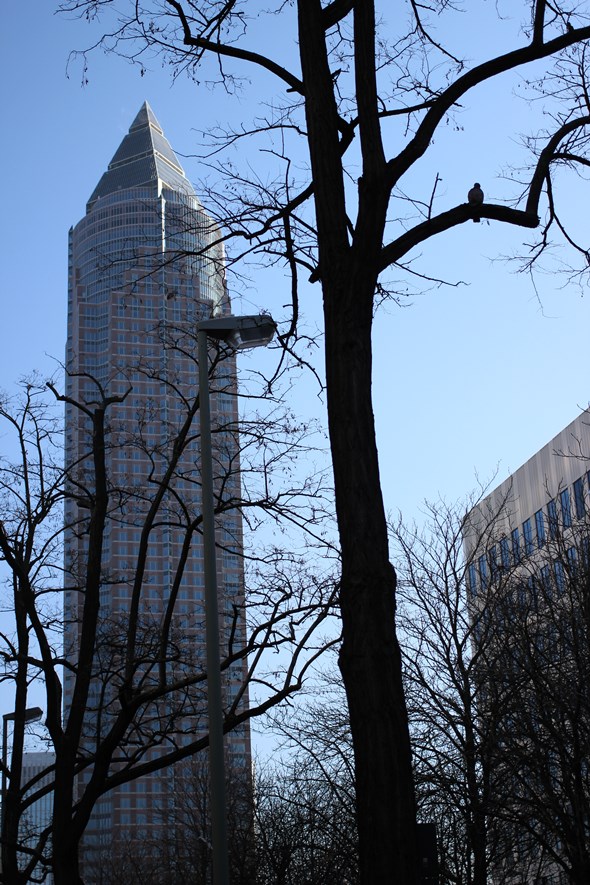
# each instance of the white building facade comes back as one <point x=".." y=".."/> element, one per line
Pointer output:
<point x="527" y="547"/>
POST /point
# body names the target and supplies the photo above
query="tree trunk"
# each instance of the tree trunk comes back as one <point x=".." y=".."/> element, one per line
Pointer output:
<point x="11" y="812"/>
<point x="66" y="869"/>
<point x="370" y="659"/>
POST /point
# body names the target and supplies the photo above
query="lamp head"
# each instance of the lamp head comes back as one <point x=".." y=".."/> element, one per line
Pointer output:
<point x="255" y="331"/>
<point x="31" y="714"/>
<point x="240" y="332"/>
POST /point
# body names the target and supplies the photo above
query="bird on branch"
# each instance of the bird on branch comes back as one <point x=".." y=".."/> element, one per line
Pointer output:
<point x="475" y="197"/>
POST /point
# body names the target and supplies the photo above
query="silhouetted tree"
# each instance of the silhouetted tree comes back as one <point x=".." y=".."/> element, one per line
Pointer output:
<point x="447" y="648"/>
<point x="497" y="692"/>
<point x="139" y="678"/>
<point x="358" y="109"/>
<point x="305" y="801"/>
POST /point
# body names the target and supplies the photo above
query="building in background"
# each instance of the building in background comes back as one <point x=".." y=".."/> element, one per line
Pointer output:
<point x="527" y="547"/>
<point x="550" y="490"/>
<point x="37" y="817"/>
<point x="143" y="269"/>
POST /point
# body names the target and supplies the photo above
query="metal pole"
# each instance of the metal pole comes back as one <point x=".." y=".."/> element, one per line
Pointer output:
<point x="5" y="719"/>
<point x="4" y="761"/>
<point x="215" y="708"/>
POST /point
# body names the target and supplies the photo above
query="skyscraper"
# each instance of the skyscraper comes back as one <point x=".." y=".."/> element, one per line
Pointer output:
<point x="144" y="267"/>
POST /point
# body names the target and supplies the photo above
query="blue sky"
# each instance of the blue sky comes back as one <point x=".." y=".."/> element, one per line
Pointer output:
<point x="467" y="378"/>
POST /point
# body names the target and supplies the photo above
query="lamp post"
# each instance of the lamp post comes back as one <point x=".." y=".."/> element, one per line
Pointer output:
<point x="240" y="332"/>
<point x="32" y="714"/>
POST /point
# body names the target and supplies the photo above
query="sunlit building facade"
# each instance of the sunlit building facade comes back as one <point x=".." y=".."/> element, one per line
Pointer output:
<point x="143" y="269"/>
<point x="527" y="547"/>
<point x="544" y="498"/>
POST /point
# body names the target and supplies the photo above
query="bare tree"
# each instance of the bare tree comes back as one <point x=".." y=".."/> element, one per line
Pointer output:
<point x="180" y="850"/>
<point x="138" y="678"/>
<point x="448" y="647"/>
<point x="366" y="77"/>
<point x="302" y="834"/>
<point x="497" y="690"/>
<point x="305" y="802"/>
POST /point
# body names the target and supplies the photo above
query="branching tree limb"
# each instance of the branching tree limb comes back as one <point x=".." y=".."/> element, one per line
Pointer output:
<point x="365" y="67"/>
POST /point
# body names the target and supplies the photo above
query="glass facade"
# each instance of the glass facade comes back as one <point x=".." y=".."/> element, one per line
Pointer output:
<point x="579" y="498"/>
<point x="566" y="509"/>
<point x="483" y="572"/>
<point x="144" y="268"/>
<point x="527" y="531"/>
<point x="515" y="537"/>
<point x="552" y="517"/>
<point x="505" y="553"/>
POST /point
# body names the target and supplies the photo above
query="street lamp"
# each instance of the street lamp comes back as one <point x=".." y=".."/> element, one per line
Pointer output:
<point x="240" y="332"/>
<point x="32" y="714"/>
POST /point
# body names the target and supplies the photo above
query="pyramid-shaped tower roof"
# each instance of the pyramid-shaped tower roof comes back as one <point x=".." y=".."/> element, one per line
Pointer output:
<point x="143" y="158"/>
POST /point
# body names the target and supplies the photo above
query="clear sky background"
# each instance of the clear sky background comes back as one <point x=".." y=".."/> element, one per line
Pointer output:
<point x="466" y="378"/>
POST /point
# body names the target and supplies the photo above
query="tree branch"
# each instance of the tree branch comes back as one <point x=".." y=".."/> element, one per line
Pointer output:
<point x="335" y="12"/>
<point x="529" y="218"/>
<point x="396" y="250"/>
<point x="489" y="69"/>
<point x="295" y="85"/>
<point x="548" y="154"/>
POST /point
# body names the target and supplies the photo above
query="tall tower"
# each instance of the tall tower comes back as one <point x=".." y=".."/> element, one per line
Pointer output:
<point x="143" y="269"/>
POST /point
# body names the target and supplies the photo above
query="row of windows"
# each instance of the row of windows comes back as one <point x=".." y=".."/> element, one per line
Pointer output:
<point x="535" y="592"/>
<point x="534" y="533"/>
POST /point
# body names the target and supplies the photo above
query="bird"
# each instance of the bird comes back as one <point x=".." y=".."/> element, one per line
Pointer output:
<point x="475" y="197"/>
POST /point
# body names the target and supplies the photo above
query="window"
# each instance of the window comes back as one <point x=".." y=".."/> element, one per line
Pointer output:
<point x="559" y="573"/>
<point x="540" y="527"/>
<point x="483" y="572"/>
<point x="472" y="579"/>
<point x="552" y="516"/>
<point x="505" y="553"/>
<point x="493" y="559"/>
<point x="546" y="581"/>
<point x="572" y="559"/>
<point x="478" y="631"/>
<point x="532" y="588"/>
<point x="527" y="531"/>
<point x="579" y="498"/>
<point x="515" y="546"/>
<point x="566" y="510"/>
<point x="539" y="642"/>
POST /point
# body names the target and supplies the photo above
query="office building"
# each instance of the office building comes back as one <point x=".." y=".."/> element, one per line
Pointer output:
<point x="548" y="494"/>
<point x="37" y="817"/>
<point x="527" y="547"/>
<point x="144" y="267"/>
